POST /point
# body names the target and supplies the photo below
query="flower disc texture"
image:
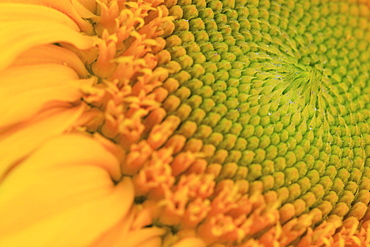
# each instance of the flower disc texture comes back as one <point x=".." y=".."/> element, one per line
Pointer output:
<point x="185" y="123"/>
<point x="276" y="93"/>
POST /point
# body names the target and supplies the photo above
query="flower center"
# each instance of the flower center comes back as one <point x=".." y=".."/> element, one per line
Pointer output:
<point x="265" y="98"/>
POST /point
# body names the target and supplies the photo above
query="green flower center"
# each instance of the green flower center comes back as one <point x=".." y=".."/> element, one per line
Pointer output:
<point x="278" y="94"/>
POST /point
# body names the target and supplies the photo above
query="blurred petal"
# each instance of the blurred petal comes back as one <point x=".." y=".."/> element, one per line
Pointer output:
<point x="122" y="236"/>
<point x="52" y="54"/>
<point x="190" y="241"/>
<point x="16" y="11"/>
<point x="22" y="35"/>
<point x="31" y="29"/>
<point x="25" y="90"/>
<point x="86" y="9"/>
<point x="63" y="195"/>
<point x="63" y="6"/>
<point x="134" y="230"/>
<point x="88" y="4"/>
<point x="21" y="139"/>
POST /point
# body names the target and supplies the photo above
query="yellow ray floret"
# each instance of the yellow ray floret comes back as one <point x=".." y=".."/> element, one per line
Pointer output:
<point x="25" y="90"/>
<point x="19" y="140"/>
<point x="69" y="161"/>
<point x="26" y="29"/>
<point x="73" y="9"/>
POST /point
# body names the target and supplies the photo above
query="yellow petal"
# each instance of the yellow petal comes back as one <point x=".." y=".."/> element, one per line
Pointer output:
<point x="25" y="90"/>
<point x="64" y="6"/>
<point x="17" y="11"/>
<point x="23" y="35"/>
<point x="131" y="231"/>
<point x="52" y="54"/>
<point x="122" y="236"/>
<point x="88" y="4"/>
<point x="21" y="139"/>
<point x="86" y="9"/>
<point x="190" y="241"/>
<point x="63" y="195"/>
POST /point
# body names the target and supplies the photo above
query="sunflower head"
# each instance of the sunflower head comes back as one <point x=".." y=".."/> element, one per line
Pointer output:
<point x="185" y="123"/>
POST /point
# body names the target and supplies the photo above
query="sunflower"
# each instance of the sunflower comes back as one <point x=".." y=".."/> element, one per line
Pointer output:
<point x="184" y="123"/>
